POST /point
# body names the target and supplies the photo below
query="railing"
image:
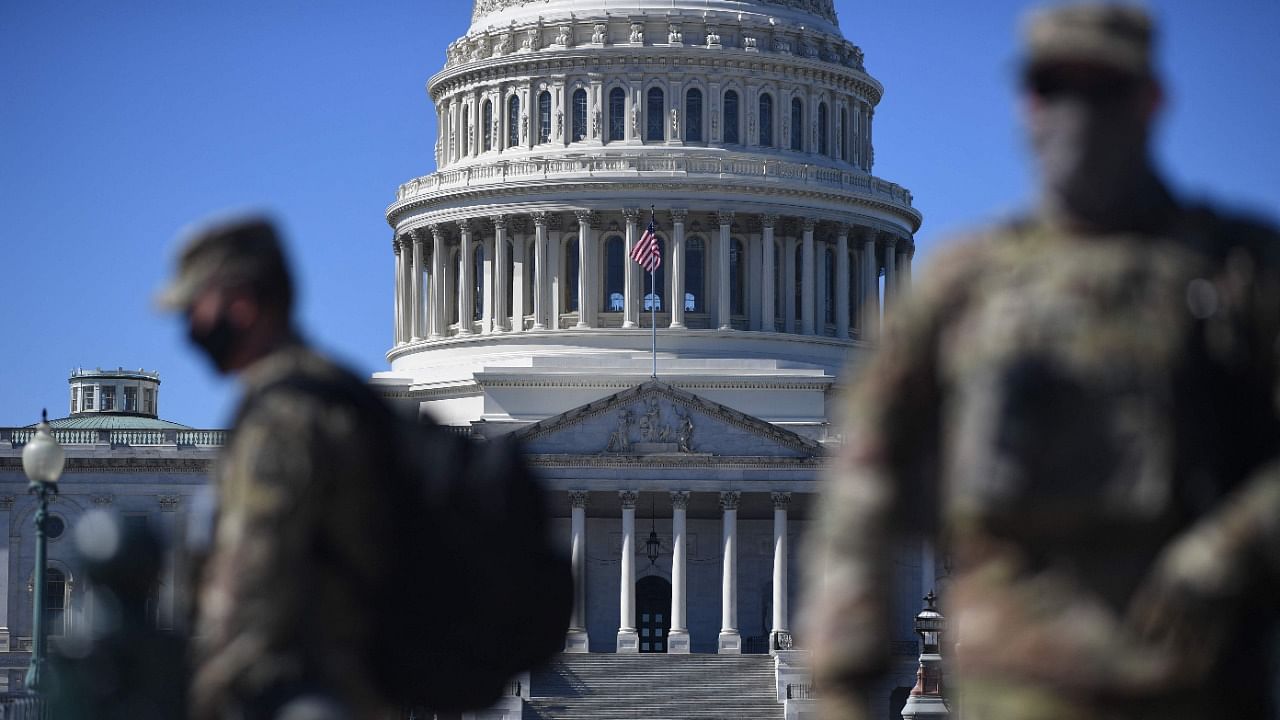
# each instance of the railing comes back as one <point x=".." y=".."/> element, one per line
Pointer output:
<point x="800" y="691"/>
<point x="504" y="171"/>
<point x="512" y="689"/>
<point x="17" y="437"/>
<point x="22" y="706"/>
<point x="755" y="645"/>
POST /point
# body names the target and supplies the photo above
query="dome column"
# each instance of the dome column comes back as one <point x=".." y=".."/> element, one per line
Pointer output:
<point x="438" y="324"/>
<point x="501" y="318"/>
<point x="890" y="273"/>
<point x="395" y="327"/>
<point x="725" y="218"/>
<point x="870" y="286"/>
<point x="587" y="223"/>
<point x="631" y="278"/>
<point x="730" y="640"/>
<point x="842" y="281"/>
<point x="540" y="220"/>
<point x="406" y="294"/>
<point x="676" y="255"/>
<point x="415" y="317"/>
<point x="768" y="293"/>
<point x="807" y="279"/>
<point x="519" y="273"/>
<point x="466" y="278"/>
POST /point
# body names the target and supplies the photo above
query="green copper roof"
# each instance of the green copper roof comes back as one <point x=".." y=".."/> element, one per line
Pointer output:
<point x="112" y="421"/>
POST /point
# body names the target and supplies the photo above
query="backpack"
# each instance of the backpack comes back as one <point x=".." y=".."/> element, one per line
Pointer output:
<point x="481" y="591"/>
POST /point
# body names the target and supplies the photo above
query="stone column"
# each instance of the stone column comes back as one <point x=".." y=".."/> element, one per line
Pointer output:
<point x="501" y="313"/>
<point x="806" y="279"/>
<point x="842" y="281"/>
<point x="780" y="635"/>
<point x="419" y="235"/>
<point x="678" y="636"/>
<point x="908" y="251"/>
<point x="723" y="281"/>
<point x="628" y="639"/>
<point x="676" y="273"/>
<point x="540" y="220"/>
<point x="466" y="279"/>
<point x="789" y="284"/>
<point x="6" y="510"/>
<point x="395" y="248"/>
<point x="486" y="293"/>
<point x="870" y="287"/>
<point x="518" y="262"/>
<point x="890" y="273"/>
<point x="439" y="323"/>
<point x="730" y="640"/>
<point x="586" y="239"/>
<point x="768" y="291"/>
<point x="576" y="640"/>
<point x="631" y="277"/>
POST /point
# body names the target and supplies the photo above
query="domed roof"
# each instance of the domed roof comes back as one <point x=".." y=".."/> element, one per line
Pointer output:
<point x="114" y="421"/>
<point x="494" y="13"/>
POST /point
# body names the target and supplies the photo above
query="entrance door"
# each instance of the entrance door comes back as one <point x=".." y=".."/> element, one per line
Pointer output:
<point x="653" y="613"/>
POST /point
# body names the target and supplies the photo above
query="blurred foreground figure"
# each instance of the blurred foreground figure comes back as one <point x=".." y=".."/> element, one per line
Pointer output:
<point x="301" y="546"/>
<point x="1081" y="407"/>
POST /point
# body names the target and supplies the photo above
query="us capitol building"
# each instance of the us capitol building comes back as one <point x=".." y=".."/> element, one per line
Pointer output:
<point x="747" y="127"/>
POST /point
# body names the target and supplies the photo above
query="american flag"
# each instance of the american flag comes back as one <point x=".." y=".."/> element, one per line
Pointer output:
<point x="647" y="252"/>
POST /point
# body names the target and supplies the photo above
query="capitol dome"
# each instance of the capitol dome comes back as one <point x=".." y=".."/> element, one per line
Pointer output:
<point x="745" y="126"/>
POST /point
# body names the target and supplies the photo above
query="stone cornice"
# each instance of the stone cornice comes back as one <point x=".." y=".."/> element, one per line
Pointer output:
<point x="674" y="461"/>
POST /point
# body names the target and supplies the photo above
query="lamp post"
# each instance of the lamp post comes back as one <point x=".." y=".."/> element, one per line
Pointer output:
<point x="42" y="461"/>
<point x="926" y="701"/>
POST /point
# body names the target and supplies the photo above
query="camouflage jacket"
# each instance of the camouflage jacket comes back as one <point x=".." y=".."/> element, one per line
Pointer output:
<point x="298" y="546"/>
<point x="1085" y="424"/>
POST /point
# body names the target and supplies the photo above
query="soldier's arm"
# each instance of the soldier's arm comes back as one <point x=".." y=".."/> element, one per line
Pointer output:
<point x="880" y="483"/>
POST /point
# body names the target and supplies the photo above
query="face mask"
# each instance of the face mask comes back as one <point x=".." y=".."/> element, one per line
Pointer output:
<point x="1092" y="156"/>
<point x="217" y="341"/>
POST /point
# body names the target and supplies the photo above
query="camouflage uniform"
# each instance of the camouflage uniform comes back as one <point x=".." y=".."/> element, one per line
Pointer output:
<point x="284" y="602"/>
<point x="1087" y="423"/>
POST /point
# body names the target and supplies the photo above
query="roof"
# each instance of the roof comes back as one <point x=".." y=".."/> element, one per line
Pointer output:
<point x="114" y="421"/>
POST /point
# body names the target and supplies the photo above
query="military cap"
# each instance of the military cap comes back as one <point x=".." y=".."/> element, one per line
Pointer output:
<point x="1112" y="36"/>
<point x="239" y="250"/>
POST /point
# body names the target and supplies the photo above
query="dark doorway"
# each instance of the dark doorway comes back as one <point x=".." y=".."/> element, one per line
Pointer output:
<point x="897" y="701"/>
<point x="653" y="613"/>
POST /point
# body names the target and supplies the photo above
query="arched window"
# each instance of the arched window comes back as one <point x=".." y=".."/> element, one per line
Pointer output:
<point x="844" y="130"/>
<point x="766" y="120"/>
<point x="655" y="116"/>
<point x="822" y="128"/>
<point x="797" y="124"/>
<point x="544" y="117"/>
<point x="55" y="601"/>
<point x="737" y="273"/>
<point x="513" y="121"/>
<point x="655" y="290"/>
<point x="617" y="114"/>
<point x="695" y="272"/>
<point x="486" y="131"/>
<point x="615" y="269"/>
<point x="693" y="115"/>
<point x="579" y="115"/>
<point x="570" y="283"/>
<point x="829" y="297"/>
<point x="465" y="130"/>
<point x="731" y="118"/>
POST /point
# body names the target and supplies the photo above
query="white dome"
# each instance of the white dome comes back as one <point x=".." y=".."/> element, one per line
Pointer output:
<point x="487" y="14"/>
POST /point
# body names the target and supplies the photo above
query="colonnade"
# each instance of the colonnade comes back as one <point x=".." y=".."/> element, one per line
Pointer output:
<point x="558" y="270"/>
<point x="729" y="639"/>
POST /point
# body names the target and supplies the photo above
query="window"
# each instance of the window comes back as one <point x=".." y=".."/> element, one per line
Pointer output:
<point x="615" y="267"/>
<point x="695" y="263"/>
<point x="737" y="272"/>
<point x="75" y="400"/>
<point x="579" y="129"/>
<point x="466" y="129"/>
<point x="844" y="129"/>
<point x="544" y="117"/>
<point x="797" y="125"/>
<point x="731" y="118"/>
<point x="149" y="401"/>
<point x="88" y="397"/>
<point x="655" y="116"/>
<point x="513" y="121"/>
<point x="766" y="120"/>
<point x="617" y="114"/>
<point x="486" y="126"/>
<point x="693" y="116"/>
<point x="55" y="602"/>
<point x="108" y="397"/>
<point x="131" y="399"/>
<point x="822" y="128"/>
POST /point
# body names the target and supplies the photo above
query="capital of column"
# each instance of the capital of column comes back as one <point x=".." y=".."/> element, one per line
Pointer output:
<point x="500" y="222"/>
<point x="438" y="231"/>
<point x="769" y="219"/>
<point x="680" y="499"/>
<point x="587" y="218"/>
<point x="781" y="500"/>
<point x="577" y="498"/>
<point x="540" y="219"/>
<point x="842" y="229"/>
<point x="809" y="224"/>
<point x="679" y="215"/>
<point x="629" y="499"/>
<point x="890" y="241"/>
<point x="631" y="214"/>
<point x="419" y="235"/>
<point x="724" y="217"/>
<point x="395" y="244"/>
<point x="464" y="225"/>
<point x="729" y="499"/>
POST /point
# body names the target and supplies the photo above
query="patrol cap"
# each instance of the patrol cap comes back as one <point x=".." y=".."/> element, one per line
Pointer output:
<point x="236" y="250"/>
<point x="1113" y="36"/>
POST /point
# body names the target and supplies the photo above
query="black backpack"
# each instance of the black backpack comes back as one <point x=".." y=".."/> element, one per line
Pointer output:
<point x="481" y="591"/>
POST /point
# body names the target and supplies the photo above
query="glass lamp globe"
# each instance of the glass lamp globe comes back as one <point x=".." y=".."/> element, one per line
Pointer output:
<point x="42" y="458"/>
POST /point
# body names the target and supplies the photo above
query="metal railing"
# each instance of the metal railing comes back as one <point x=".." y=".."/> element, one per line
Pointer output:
<point x="800" y="691"/>
<point x="755" y="645"/>
<point x="22" y="706"/>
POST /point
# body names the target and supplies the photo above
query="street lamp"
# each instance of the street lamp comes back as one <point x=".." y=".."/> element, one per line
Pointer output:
<point x="42" y="461"/>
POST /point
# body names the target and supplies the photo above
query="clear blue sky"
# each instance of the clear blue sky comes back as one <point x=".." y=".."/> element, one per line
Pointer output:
<point x="122" y="122"/>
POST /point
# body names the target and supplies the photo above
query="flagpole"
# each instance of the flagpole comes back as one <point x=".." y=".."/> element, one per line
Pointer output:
<point x="653" y="309"/>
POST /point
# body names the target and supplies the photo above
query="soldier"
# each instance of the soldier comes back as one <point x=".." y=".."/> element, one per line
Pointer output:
<point x="282" y="621"/>
<point x="1080" y="406"/>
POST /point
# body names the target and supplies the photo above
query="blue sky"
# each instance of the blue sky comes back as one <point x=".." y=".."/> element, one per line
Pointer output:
<point x="122" y="122"/>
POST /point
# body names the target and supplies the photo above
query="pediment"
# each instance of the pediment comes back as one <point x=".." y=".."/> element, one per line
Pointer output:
<point x="657" y="419"/>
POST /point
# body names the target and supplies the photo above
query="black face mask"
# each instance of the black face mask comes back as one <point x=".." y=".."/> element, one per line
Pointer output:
<point x="218" y="341"/>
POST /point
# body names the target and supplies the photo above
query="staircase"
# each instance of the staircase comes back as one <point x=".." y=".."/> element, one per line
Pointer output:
<point x="604" y="686"/>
